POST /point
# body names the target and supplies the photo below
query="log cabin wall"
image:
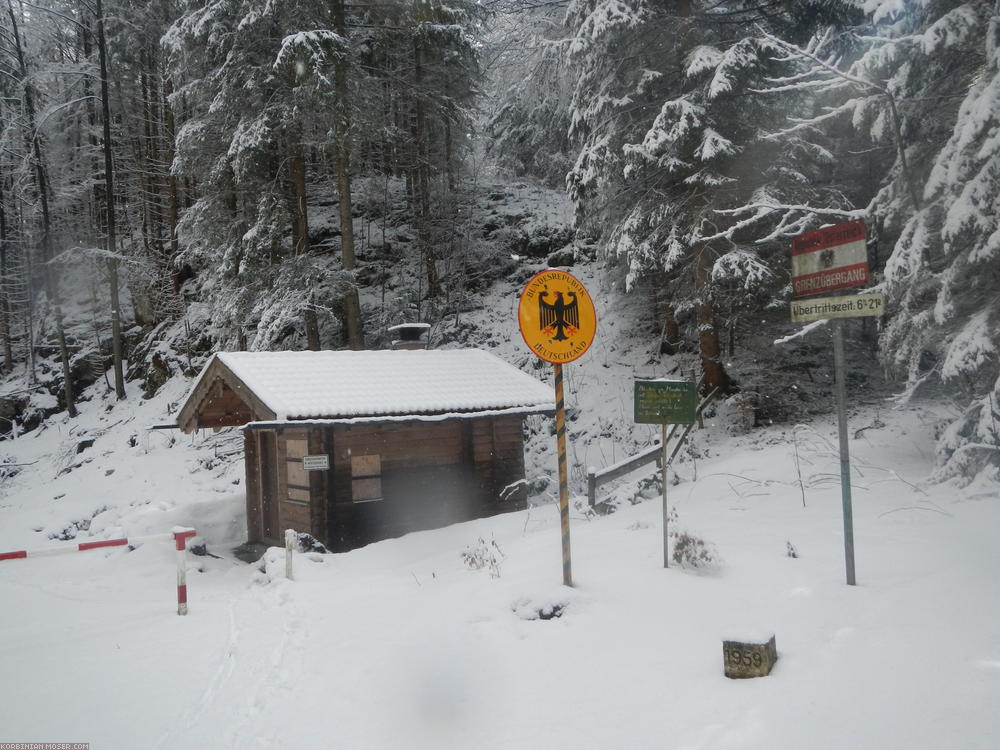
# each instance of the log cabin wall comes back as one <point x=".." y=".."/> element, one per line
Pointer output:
<point x="251" y="463"/>
<point x="320" y="443"/>
<point x="223" y="408"/>
<point x="264" y="517"/>
<point x="390" y="479"/>
<point x="385" y="480"/>
<point x="269" y="495"/>
<point x="294" y="488"/>
<point x="505" y="439"/>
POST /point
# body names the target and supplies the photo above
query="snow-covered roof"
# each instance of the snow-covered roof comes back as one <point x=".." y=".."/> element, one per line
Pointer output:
<point x="345" y="384"/>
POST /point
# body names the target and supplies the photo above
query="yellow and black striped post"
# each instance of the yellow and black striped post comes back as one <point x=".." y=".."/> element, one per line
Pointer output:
<point x="558" y="323"/>
<point x="563" y="476"/>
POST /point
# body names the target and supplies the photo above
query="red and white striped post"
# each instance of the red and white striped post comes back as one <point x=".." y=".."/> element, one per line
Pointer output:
<point x="81" y="547"/>
<point x="181" y="535"/>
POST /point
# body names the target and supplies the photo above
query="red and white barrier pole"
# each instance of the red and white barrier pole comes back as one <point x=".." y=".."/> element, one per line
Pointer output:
<point x="81" y="547"/>
<point x="181" y="535"/>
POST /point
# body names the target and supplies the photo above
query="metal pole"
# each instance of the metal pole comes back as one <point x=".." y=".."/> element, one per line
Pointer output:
<point x="840" y="372"/>
<point x="563" y="477"/>
<point x="663" y="481"/>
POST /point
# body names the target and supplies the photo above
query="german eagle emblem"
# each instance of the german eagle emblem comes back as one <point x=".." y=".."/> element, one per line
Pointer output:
<point x="558" y="316"/>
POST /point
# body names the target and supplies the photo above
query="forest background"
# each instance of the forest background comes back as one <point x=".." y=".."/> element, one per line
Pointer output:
<point x="180" y="177"/>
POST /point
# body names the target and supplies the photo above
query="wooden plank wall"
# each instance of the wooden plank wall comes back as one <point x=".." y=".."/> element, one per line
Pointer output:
<point x="223" y="408"/>
<point x="294" y="495"/>
<point x="320" y="443"/>
<point x="269" y="476"/>
<point x="250" y="463"/>
<point x="507" y="463"/>
<point x="433" y="473"/>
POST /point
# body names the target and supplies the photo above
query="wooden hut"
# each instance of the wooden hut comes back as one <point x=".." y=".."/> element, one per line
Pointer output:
<point x="357" y="446"/>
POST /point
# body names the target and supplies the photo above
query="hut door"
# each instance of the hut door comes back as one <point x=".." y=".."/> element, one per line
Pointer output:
<point x="268" y="486"/>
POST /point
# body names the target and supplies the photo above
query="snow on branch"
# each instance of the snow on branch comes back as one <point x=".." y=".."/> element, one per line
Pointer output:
<point x="801" y="332"/>
<point x="811" y="54"/>
<point x="713" y="144"/>
<point x="310" y="51"/>
<point x="741" y="266"/>
<point x="845" y="212"/>
<point x="794" y="218"/>
<point x="804" y="123"/>
<point x="728" y="233"/>
<point x="605" y="18"/>
<point x="971" y="348"/>
<point x="702" y="58"/>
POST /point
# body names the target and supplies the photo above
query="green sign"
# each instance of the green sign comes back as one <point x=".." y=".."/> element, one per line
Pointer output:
<point x="665" y="401"/>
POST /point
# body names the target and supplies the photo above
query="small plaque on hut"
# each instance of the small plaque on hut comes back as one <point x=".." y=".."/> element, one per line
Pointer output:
<point x="319" y="462"/>
<point x="743" y="660"/>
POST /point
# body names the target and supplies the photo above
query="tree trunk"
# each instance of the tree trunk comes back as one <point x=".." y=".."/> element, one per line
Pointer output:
<point x="173" y="203"/>
<point x="300" y="231"/>
<point x="421" y="187"/>
<point x="95" y="211"/>
<point x="352" y="303"/>
<point x="670" y="338"/>
<point x="8" y="351"/>
<point x="708" y="334"/>
<point x="312" y="329"/>
<point x="155" y="166"/>
<point x="906" y="174"/>
<point x="41" y="183"/>
<point x="300" y="214"/>
<point x="109" y="182"/>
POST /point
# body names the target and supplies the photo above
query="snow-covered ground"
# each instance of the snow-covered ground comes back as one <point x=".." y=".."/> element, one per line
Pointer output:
<point x="403" y="645"/>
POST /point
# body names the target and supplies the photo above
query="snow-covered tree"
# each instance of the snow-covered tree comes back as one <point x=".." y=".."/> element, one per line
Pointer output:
<point x="670" y="116"/>
<point x="943" y="276"/>
<point x="529" y="78"/>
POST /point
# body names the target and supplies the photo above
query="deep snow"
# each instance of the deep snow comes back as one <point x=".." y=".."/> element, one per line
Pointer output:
<point x="401" y="644"/>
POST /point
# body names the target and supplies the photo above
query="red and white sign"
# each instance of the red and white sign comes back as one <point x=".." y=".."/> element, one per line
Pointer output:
<point x="829" y="259"/>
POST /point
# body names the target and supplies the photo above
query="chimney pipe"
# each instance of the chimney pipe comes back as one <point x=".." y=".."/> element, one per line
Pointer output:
<point x="410" y="335"/>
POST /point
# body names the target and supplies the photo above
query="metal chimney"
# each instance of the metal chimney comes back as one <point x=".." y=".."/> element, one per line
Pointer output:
<point x="409" y="335"/>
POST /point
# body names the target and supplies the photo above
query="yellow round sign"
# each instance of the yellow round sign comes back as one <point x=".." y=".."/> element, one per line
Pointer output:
<point x="556" y="316"/>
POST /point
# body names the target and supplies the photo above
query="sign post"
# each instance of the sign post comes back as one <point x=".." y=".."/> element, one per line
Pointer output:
<point x="840" y="373"/>
<point x="665" y="402"/>
<point x="826" y="260"/>
<point x="557" y="320"/>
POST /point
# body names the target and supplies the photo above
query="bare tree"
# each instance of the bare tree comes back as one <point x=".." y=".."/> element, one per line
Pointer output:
<point x="33" y="142"/>
<point x="109" y="181"/>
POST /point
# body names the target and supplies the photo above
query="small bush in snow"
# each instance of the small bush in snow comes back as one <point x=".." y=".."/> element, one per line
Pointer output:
<point x="309" y="543"/>
<point x="540" y="608"/>
<point x="738" y="413"/>
<point x="8" y="468"/>
<point x="582" y="507"/>
<point x="484" y="554"/>
<point x="692" y="551"/>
